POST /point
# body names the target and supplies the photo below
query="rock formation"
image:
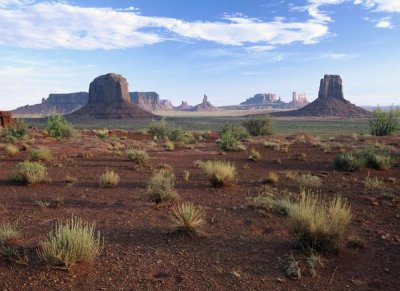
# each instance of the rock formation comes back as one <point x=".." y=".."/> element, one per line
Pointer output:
<point x="6" y="118"/>
<point x="204" y="106"/>
<point x="150" y="101"/>
<point x="184" y="106"/>
<point x="298" y="100"/>
<point x="61" y="103"/>
<point x="109" y="99"/>
<point x="330" y="102"/>
<point x="260" y="99"/>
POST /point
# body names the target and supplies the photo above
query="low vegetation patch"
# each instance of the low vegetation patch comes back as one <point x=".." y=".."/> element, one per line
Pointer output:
<point x="11" y="150"/>
<point x="161" y="187"/>
<point x="309" y="182"/>
<point x="373" y="183"/>
<point x="41" y="154"/>
<point x="58" y="127"/>
<point x="254" y="155"/>
<point x="371" y="157"/>
<point x="7" y="232"/>
<point x="109" y="179"/>
<point x="169" y="146"/>
<point x="18" y="131"/>
<point x="71" y="242"/>
<point x="272" y="178"/>
<point x="189" y="219"/>
<point x="102" y="133"/>
<point x="272" y="145"/>
<point x="161" y="129"/>
<point x="29" y="173"/>
<point x="220" y="173"/>
<point x="139" y="157"/>
<point x="186" y="175"/>
<point x="259" y="125"/>
<point x="384" y="122"/>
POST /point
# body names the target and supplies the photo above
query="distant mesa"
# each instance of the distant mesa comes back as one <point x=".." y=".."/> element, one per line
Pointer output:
<point x="330" y="102"/>
<point x="269" y="100"/>
<point x="150" y="101"/>
<point x="61" y="103"/>
<point x="109" y="99"/>
<point x="205" y="106"/>
<point x="184" y="107"/>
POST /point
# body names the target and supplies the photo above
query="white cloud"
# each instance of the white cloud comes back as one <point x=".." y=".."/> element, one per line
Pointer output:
<point x="63" y="25"/>
<point x="384" y="23"/>
<point x="390" y="6"/>
<point x="260" y="48"/>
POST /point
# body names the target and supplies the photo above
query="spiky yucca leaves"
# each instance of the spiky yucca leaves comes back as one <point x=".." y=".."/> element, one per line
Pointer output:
<point x="189" y="219"/>
<point x="220" y="173"/>
<point x="71" y="242"/>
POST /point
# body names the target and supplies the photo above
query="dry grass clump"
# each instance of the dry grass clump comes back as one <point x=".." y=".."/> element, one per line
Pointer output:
<point x="373" y="183"/>
<point x="186" y="175"/>
<point x="71" y="242"/>
<point x="309" y="182"/>
<point x="161" y="187"/>
<point x="189" y="219"/>
<point x="254" y="155"/>
<point x="272" y="178"/>
<point x="109" y="179"/>
<point x="319" y="225"/>
<point x="7" y="232"/>
<point x="139" y="157"/>
<point x="29" y="173"/>
<point x="326" y="148"/>
<point x="11" y="150"/>
<point x="272" y="145"/>
<point x="267" y="200"/>
<point x="102" y="133"/>
<point x="220" y="173"/>
<point x="169" y="146"/>
<point x="41" y="154"/>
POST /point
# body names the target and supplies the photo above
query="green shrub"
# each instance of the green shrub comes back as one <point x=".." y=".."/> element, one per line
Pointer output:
<point x="71" y="242"/>
<point x="11" y="150"/>
<point x="373" y="157"/>
<point x="189" y="219"/>
<point x="102" y="133"/>
<point x="220" y="173"/>
<point x="348" y="162"/>
<point x="58" y="127"/>
<point x="161" y="187"/>
<point x="229" y="142"/>
<point x="109" y="179"/>
<point x="272" y="145"/>
<point x="384" y="122"/>
<point x="317" y="224"/>
<point x="259" y="125"/>
<point x="139" y="157"/>
<point x="309" y="182"/>
<point x="169" y="145"/>
<point x="41" y="154"/>
<point x="238" y="132"/>
<point x="30" y="173"/>
<point x="16" y="132"/>
<point x="166" y="131"/>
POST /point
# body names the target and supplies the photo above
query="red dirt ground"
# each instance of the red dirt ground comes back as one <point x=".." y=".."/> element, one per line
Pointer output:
<point x="241" y="245"/>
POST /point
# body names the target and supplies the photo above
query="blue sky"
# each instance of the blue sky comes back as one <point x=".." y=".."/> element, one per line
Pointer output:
<point x="229" y="50"/>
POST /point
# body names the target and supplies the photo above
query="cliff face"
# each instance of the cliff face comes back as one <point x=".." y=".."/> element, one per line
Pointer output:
<point x="61" y="103"/>
<point x="260" y="99"/>
<point x="149" y="101"/>
<point x="204" y="106"/>
<point x="183" y="107"/>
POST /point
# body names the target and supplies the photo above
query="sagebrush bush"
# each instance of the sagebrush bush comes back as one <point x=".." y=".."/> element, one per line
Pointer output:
<point x="7" y="232"/>
<point x="102" y="133"/>
<point x="348" y="162"/>
<point x="161" y="129"/>
<point x="319" y="225"/>
<point x="188" y="218"/>
<point x="239" y="132"/>
<point x="16" y="132"/>
<point x="384" y="122"/>
<point x="161" y="187"/>
<point x="58" y="127"/>
<point x="309" y="182"/>
<point x="30" y="173"/>
<point x="11" y="150"/>
<point x="220" y="173"/>
<point x="71" y="242"/>
<point x="230" y="140"/>
<point x="109" y="179"/>
<point x="372" y="157"/>
<point x="259" y="125"/>
<point x="41" y="154"/>
<point x="139" y="157"/>
<point x="254" y="155"/>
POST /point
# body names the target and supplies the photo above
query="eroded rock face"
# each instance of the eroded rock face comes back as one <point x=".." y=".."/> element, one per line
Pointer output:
<point x="260" y="99"/>
<point x="150" y="101"/>
<point x="109" y="89"/>
<point x="204" y="106"/>
<point x="6" y="118"/>
<point x="331" y="87"/>
<point x="184" y="106"/>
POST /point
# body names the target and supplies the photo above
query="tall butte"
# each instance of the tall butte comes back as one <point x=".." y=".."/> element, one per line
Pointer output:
<point x="109" y="99"/>
<point x="330" y="102"/>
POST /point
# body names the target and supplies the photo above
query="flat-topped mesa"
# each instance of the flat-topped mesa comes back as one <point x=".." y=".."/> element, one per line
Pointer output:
<point x="109" y="88"/>
<point x="331" y="86"/>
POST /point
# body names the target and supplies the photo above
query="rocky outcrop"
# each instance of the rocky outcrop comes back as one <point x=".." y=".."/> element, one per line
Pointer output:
<point x="184" y="106"/>
<point x="150" y="101"/>
<point x="330" y="102"/>
<point x="109" y="99"/>
<point x="260" y="99"/>
<point x="298" y="100"/>
<point x="61" y="103"/>
<point x="6" y="119"/>
<point x="204" y="106"/>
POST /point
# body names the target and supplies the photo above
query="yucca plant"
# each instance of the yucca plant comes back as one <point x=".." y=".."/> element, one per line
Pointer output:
<point x="188" y="219"/>
<point x="71" y="242"/>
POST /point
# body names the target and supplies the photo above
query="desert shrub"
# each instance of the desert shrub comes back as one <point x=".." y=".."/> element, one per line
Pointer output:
<point x="267" y="200"/>
<point x="272" y="178"/>
<point x="348" y="162"/>
<point x="188" y="218"/>
<point x="161" y="187"/>
<point x="186" y="175"/>
<point x="102" y="133"/>
<point x="109" y="179"/>
<point x="58" y="127"/>
<point x="231" y="136"/>
<point x="139" y="157"/>
<point x="254" y="155"/>
<point x="11" y="150"/>
<point x="71" y="242"/>
<point x="7" y="232"/>
<point x="16" y="132"/>
<point x="319" y="225"/>
<point x="290" y="267"/>
<point x="373" y="183"/>
<point x="372" y="157"/>
<point x="41" y="154"/>
<point x="30" y="173"/>
<point x="169" y="145"/>
<point x="166" y="131"/>
<point x="239" y="132"/>
<point x="326" y="148"/>
<point x="259" y="125"/>
<point x="220" y="173"/>
<point x="384" y="122"/>
<point x="309" y="182"/>
<point x="272" y="145"/>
